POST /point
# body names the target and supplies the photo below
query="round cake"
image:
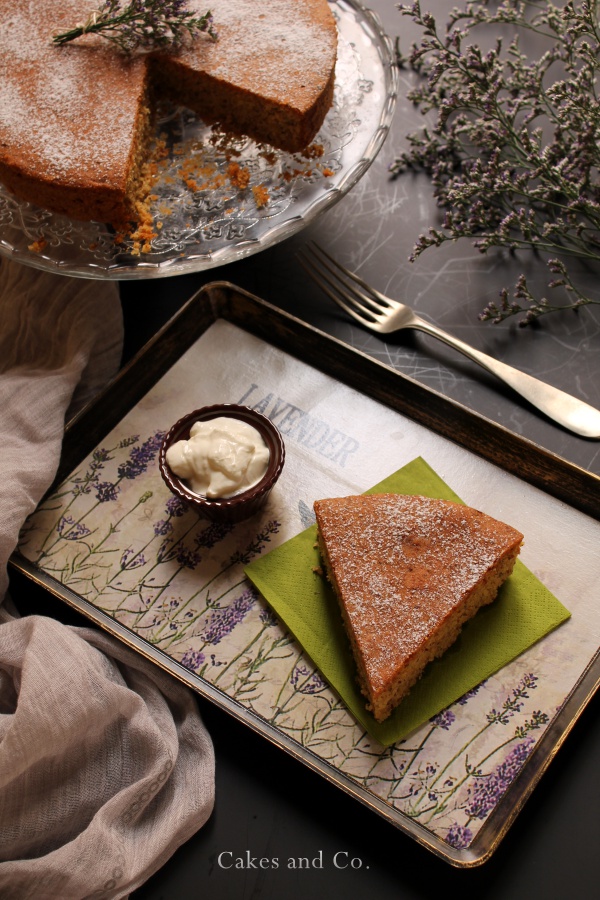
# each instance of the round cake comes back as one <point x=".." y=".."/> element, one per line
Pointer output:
<point x="75" y="120"/>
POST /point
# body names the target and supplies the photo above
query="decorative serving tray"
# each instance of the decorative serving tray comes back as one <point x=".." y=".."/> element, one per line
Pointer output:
<point x="110" y="540"/>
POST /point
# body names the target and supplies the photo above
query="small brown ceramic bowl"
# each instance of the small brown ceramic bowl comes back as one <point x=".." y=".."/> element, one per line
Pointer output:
<point x="246" y="503"/>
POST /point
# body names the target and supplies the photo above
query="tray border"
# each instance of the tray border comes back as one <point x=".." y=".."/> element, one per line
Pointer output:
<point x="514" y="454"/>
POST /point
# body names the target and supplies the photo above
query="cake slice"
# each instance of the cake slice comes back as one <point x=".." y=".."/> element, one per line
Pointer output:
<point x="408" y="572"/>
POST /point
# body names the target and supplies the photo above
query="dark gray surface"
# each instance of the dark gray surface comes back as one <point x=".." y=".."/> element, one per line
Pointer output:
<point x="269" y="805"/>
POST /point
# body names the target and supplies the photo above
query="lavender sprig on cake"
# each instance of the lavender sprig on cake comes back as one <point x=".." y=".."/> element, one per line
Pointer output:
<point x="143" y="24"/>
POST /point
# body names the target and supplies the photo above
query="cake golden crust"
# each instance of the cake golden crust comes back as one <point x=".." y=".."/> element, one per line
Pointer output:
<point x="74" y="120"/>
<point x="408" y="572"/>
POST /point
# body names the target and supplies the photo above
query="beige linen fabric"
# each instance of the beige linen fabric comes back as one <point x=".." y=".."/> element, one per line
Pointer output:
<point x="105" y="765"/>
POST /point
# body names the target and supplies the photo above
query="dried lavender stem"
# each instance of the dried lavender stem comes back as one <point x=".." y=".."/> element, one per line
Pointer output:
<point x="514" y="154"/>
<point x="142" y="24"/>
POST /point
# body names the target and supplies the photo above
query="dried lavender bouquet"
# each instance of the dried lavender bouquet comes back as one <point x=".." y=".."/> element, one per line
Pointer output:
<point x="142" y="24"/>
<point x="514" y="151"/>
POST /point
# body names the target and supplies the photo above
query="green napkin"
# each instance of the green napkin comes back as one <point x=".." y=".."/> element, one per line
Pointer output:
<point x="523" y="612"/>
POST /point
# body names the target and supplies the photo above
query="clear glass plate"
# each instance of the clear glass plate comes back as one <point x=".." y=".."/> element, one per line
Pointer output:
<point x="209" y="226"/>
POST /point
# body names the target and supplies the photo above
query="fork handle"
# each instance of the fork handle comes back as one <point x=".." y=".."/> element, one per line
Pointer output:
<point x="574" y="414"/>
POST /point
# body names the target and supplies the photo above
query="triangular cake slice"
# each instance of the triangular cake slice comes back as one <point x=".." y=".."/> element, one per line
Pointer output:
<point x="408" y="572"/>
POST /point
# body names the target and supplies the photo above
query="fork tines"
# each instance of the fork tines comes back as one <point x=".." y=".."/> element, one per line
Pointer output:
<point x="345" y="288"/>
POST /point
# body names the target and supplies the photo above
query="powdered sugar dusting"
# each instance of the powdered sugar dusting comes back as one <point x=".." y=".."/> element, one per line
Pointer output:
<point x="62" y="110"/>
<point x="402" y="565"/>
<point x="272" y="48"/>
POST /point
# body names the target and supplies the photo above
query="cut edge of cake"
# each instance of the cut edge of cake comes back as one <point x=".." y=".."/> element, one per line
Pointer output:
<point x="384" y="694"/>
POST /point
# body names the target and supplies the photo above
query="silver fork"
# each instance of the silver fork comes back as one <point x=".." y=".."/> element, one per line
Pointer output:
<point x="384" y="316"/>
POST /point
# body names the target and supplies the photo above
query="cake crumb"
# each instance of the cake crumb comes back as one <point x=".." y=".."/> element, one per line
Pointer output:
<point x="238" y="176"/>
<point x="314" y="151"/>
<point x="261" y="195"/>
<point x="197" y="174"/>
<point x="37" y="246"/>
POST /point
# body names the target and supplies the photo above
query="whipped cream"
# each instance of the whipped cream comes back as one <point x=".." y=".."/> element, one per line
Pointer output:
<point x="222" y="457"/>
